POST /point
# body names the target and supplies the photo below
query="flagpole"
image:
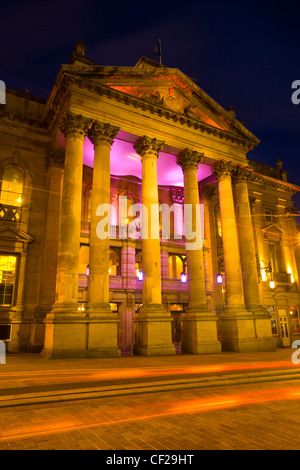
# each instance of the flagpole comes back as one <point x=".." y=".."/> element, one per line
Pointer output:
<point x="159" y="42"/>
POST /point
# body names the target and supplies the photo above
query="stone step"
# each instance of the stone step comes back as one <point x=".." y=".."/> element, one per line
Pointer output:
<point x="23" y="399"/>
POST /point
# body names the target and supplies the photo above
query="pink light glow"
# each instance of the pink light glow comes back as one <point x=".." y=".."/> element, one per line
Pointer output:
<point x="125" y="161"/>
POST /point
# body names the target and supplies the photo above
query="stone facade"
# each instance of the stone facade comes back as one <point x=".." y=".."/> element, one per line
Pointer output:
<point x="144" y="134"/>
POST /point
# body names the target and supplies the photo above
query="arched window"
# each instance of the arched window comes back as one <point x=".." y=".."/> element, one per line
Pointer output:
<point x="7" y="278"/>
<point x="114" y="262"/>
<point x="12" y="186"/>
<point x="176" y="266"/>
<point x="138" y="262"/>
<point x="84" y="253"/>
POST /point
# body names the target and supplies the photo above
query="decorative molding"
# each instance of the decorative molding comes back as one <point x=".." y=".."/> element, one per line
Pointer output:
<point x="291" y="211"/>
<point x="240" y="175"/>
<point x="266" y="170"/>
<point x="75" y="125"/>
<point x="13" y="114"/>
<point x="177" y="195"/>
<point x="155" y="105"/>
<point x="55" y="156"/>
<point x="147" y="147"/>
<point x="102" y="133"/>
<point x="208" y="191"/>
<point x="189" y="159"/>
<point x="223" y="169"/>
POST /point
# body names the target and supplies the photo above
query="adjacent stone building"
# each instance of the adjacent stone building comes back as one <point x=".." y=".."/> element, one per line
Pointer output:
<point x="76" y="167"/>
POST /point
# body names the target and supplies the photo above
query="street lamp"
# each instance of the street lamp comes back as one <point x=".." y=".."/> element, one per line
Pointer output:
<point x="183" y="276"/>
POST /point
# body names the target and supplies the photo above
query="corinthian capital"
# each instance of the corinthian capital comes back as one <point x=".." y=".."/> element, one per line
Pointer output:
<point x="147" y="147"/>
<point x="75" y="125"/>
<point x="102" y="133"/>
<point x="189" y="159"/>
<point x="223" y="170"/>
<point x="241" y="175"/>
<point x="55" y="157"/>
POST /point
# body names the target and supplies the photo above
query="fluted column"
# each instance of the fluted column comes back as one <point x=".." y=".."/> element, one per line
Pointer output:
<point x="246" y="239"/>
<point x="249" y="262"/>
<point x="232" y="264"/>
<point x="153" y="324"/>
<point x="199" y="325"/>
<point x="102" y="136"/>
<point x="238" y="326"/>
<point x="103" y="324"/>
<point x="54" y="163"/>
<point x="208" y="192"/>
<point x="63" y="340"/>
<point x="75" y="128"/>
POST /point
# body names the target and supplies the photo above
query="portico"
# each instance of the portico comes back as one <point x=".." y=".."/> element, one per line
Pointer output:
<point x="149" y="134"/>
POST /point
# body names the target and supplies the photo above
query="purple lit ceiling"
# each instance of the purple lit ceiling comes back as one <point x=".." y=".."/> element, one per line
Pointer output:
<point x="125" y="161"/>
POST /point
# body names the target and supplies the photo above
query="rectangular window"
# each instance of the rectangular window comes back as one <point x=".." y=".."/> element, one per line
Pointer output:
<point x="268" y="215"/>
<point x="276" y="258"/>
<point x="7" y="279"/>
<point x="295" y="320"/>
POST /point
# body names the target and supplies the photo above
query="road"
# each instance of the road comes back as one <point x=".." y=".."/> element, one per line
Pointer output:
<point x="253" y="416"/>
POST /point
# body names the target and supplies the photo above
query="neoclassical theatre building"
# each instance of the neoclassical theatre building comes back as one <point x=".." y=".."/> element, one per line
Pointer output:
<point x="81" y="272"/>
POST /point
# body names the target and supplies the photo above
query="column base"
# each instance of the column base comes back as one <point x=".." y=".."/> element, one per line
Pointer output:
<point x="247" y="333"/>
<point x="199" y="335"/>
<point x="74" y="334"/>
<point x="153" y="332"/>
<point x="102" y="331"/>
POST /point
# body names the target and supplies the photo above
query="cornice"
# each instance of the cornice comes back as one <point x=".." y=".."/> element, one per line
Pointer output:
<point x="13" y="114"/>
<point x="257" y="178"/>
<point x="146" y="105"/>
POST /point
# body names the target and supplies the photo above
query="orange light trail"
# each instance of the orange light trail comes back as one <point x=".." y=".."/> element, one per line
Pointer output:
<point x="177" y="408"/>
<point x="64" y="376"/>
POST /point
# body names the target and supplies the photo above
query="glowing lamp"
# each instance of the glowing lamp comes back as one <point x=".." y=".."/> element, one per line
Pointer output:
<point x="272" y="284"/>
<point x="140" y="275"/>
<point x="219" y="279"/>
<point x="183" y="277"/>
<point x="88" y="270"/>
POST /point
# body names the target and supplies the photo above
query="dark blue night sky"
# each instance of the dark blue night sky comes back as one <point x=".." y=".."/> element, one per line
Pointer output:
<point x="244" y="54"/>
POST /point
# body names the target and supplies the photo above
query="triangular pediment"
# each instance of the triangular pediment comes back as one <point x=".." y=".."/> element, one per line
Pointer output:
<point x="12" y="233"/>
<point x="273" y="228"/>
<point x="167" y="88"/>
<point x="273" y="232"/>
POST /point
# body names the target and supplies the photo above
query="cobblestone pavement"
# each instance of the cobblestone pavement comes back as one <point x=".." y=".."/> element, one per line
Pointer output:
<point x="263" y="416"/>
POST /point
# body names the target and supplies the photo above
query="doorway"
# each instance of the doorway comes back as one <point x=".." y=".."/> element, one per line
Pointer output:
<point x="284" y="327"/>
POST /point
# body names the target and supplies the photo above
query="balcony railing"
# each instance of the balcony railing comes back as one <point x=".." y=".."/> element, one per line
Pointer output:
<point x="266" y="170"/>
<point x="282" y="278"/>
<point x="10" y="213"/>
<point x="116" y="233"/>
